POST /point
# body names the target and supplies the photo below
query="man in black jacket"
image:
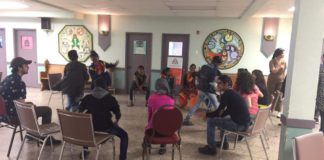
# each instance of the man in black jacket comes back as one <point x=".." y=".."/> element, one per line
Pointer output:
<point x="231" y="104"/>
<point x="100" y="104"/>
<point x="73" y="82"/>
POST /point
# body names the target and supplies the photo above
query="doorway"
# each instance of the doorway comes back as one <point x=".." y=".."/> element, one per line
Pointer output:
<point x="26" y="46"/>
<point x="175" y="51"/>
<point x="138" y="52"/>
<point x="3" y="61"/>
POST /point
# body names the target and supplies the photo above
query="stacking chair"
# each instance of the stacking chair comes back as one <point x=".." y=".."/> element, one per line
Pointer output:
<point x="52" y="80"/>
<point x="167" y="122"/>
<point x="28" y="121"/>
<point x="257" y="129"/>
<point x="9" y="123"/>
<point x="309" y="146"/>
<point x="77" y="129"/>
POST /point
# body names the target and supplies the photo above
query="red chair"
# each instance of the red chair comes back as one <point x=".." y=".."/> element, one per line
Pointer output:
<point x="9" y="123"/>
<point x="167" y="122"/>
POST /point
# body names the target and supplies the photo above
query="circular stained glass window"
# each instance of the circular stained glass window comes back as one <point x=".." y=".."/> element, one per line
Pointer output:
<point x="224" y="43"/>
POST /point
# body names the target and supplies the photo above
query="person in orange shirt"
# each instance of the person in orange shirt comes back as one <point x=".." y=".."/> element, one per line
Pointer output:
<point x="189" y="90"/>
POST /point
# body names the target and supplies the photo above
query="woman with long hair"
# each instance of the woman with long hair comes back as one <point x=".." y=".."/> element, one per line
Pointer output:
<point x="248" y="90"/>
<point x="260" y="82"/>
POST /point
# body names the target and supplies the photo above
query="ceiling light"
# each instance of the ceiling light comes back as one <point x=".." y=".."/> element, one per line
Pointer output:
<point x="291" y="9"/>
<point x="12" y="5"/>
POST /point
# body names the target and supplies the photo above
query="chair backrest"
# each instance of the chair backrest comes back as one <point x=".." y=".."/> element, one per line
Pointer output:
<point x="3" y="111"/>
<point x="260" y="120"/>
<point x="309" y="146"/>
<point x="27" y="117"/>
<point x="167" y="120"/>
<point x="54" y="78"/>
<point x="76" y="128"/>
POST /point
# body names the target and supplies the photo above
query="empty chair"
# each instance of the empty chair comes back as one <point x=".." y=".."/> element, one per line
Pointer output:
<point x="257" y="129"/>
<point x="9" y="123"/>
<point x="309" y="146"/>
<point x="28" y="119"/>
<point x="77" y="129"/>
<point x="53" y="79"/>
<point x="167" y="122"/>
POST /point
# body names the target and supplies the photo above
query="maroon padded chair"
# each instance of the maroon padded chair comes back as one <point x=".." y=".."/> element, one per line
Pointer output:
<point x="9" y="123"/>
<point x="167" y="121"/>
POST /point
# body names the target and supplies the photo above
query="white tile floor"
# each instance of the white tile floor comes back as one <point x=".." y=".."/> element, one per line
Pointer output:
<point x="133" y="121"/>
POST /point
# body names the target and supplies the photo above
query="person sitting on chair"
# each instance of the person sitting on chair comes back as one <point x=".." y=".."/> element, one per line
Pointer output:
<point x="166" y="74"/>
<point x="100" y="104"/>
<point x="231" y="104"/>
<point x="139" y="83"/>
<point x="159" y="98"/>
<point x="189" y="89"/>
<point x="98" y="69"/>
<point x="14" y="88"/>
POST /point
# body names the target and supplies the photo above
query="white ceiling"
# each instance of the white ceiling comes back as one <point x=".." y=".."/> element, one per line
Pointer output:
<point x="196" y="8"/>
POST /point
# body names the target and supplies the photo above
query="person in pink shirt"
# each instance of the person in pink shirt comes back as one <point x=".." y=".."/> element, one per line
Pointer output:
<point x="248" y="90"/>
<point x="159" y="98"/>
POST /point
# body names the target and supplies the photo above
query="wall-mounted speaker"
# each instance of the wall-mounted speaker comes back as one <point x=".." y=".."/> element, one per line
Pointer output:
<point x="46" y="23"/>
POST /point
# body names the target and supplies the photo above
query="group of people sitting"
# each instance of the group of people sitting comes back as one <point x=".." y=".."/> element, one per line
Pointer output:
<point x="228" y="107"/>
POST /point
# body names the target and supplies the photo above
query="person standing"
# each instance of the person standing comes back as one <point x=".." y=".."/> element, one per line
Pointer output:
<point x="277" y="75"/>
<point x="139" y="83"/>
<point x="98" y="69"/>
<point x="320" y="95"/>
<point x="100" y="104"/>
<point x="73" y="82"/>
<point x="14" y="88"/>
<point x="206" y="77"/>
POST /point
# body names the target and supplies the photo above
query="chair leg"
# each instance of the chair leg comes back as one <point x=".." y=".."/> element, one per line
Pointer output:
<point x="144" y="150"/>
<point x="62" y="101"/>
<point x="11" y="141"/>
<point x="22" y="144"/>
<point x="236" y="138"/>
<point x="98" y="150"/>
<point x="62" y="150"/>
<point x="49" y="100"/>
<point x="44" y="143"/>
<point x="222" y="143"/>
<point x="82" y="153"/>
<point x="247" y="144"/>
<point x="265" y="151"/>
<point x="172" y="151"/>
<point x="20" y="130"/>
<point x="179" y="149"/>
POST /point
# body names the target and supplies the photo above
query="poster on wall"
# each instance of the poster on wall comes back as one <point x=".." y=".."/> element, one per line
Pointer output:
<point x="75" y="37"/>
<point x="175" y="48"/>
<point x="175" y="65"/>
<point x="139" y="47"/>
<point x="1" y="42"/>
<point x="26" y="42"/>
<point x="224" y="43"/>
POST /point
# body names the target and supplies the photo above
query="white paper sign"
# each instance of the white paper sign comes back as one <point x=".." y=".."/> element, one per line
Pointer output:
<point x="175" y="62"/>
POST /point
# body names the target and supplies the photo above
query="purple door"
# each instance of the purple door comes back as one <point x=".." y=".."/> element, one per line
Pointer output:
<point x="138" y="52"/>
<point x="26" y="47"/>
<point x="3" y="63"/>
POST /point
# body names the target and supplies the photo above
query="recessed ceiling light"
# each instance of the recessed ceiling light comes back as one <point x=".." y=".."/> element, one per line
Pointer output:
<point x="291" y="9"/>
<point x="12" y="5"/>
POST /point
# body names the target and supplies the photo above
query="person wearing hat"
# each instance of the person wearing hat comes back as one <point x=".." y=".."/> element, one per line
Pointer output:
<point x="98" y="68"/>
<point x="101" y="105"/>
<point x="206" y="90"/>
<point x="159" y="98"/>
<point x="14" y="88"/>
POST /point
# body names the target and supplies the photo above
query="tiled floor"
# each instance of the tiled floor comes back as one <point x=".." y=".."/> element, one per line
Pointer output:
<point x="133" y="121"/>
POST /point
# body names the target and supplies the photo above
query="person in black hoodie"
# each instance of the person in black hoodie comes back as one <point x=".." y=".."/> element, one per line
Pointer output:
<point x="101" y="105"/>
<point x="231" y="104"/>
<point x="73" y="82"/>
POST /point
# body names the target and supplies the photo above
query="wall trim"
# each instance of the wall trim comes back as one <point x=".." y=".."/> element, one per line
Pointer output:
<point x="297" y="123"/>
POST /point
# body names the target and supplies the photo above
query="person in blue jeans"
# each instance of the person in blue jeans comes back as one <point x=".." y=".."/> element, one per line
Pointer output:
<point x="232" y="114"/>
<point x="101" y="105"/>
<point x="206" y="92"/>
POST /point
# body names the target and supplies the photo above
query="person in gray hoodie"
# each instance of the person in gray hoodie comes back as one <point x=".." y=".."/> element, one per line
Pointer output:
<point x="101" y="105"/>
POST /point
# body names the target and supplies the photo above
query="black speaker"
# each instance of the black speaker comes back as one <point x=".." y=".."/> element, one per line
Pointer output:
<point x="46" y="23"/>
